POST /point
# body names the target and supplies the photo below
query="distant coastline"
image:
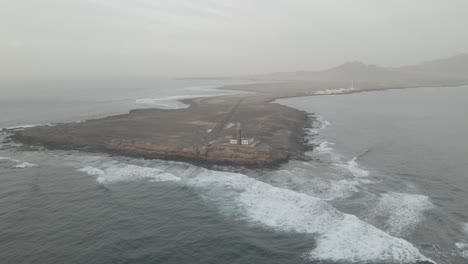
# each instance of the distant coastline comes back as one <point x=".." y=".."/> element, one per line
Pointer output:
<point x="201" y="132"/>
<point x="180" y="134"/>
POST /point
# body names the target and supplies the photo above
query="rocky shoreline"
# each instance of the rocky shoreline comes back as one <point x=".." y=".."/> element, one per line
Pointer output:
<point x="179" y="134"/>
<point x="200" y="133"/>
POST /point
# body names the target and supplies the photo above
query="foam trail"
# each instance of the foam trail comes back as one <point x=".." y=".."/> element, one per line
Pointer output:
<point x="9" y="159"/>
<point x="322" y="122"/>
<point x="18" y="163"/>
<point x="173" y="102"/>
<point x="340" y="237"/>
<point x="27" y="126"/>
<point x="401" y="212"/>
<point x="92" y="171"/>
<point x="324" y="147"/>
<point x="114" y="173"/>
<point x="354" y="168"/>
<point x="24" y="165"/>
<point x="462" y="249"/>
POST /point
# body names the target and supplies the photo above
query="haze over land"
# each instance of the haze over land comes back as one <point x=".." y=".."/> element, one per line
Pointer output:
<point x="181" y="38"/>
<point x="245" y="131"/>
<point x="447" y="71"/>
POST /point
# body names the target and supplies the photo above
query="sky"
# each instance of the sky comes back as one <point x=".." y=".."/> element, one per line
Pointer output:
<point x="188" y="38"/>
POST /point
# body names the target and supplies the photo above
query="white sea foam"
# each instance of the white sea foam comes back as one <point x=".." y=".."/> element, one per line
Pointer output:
<point x="321" y="122"/>
<point x="324" y="147"/>
<point x="312" y="132"/>
<point x="18" y="164"/>
<point x="462" y="249"/>
<point x="24" y="165"/>
<point x="324" y="124"/>
<point x="341" y="189"/>
<point x="401" y="212"/>
<point x="321" y="146"/>
<point x="6" y="143"/>
<point x="92" y="171"/>
<point x="312" y="179"/>
<point x="28" y="126"/>
<point x="117" y="172"/>
<point x="356" y="170"/>
<point x="340" y="237"/>
<point x="9" y="159"/>
<point x="173" y="102"/>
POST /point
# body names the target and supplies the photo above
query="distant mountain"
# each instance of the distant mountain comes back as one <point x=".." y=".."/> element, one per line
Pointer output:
<point x="359" y="71"/>
<point x="456" y="66"/>
<point x="348" y="71"/>
<point x="444" y="71"/>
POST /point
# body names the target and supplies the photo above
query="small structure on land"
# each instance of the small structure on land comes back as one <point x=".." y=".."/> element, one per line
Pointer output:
<point x="239" y="140"/>
<point x="247" y="141"/>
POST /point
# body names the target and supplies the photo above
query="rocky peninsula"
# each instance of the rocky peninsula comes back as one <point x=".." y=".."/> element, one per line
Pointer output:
<point x="244" y="129"/>
<point x="203" y="133"/>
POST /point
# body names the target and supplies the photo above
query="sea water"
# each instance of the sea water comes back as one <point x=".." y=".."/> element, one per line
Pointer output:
<point x="386" y="183"/>
<point x="29" y="102"/>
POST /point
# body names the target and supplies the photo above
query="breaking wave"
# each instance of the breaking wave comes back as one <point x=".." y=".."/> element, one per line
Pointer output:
<point x="116" y="172"/>
<point x="18" y="164"/>
<point x="24" y="165"/>
<point x="357" y="171"/>
<point x="400" y="212"/>
<point x="339" y="236"/>
<point x="325" y="147"/>
<point x="20" y="127"/>
<point x="174" y="102"/>
<point x="463" y="249"/>
<point x="465" y="228"/>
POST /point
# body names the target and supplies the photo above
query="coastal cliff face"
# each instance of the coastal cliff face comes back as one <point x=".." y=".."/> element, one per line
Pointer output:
<point x="213" y="154"/>
<point x="198" y="134"/>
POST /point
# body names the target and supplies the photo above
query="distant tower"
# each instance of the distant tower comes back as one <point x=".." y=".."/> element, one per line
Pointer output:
<point x="352" y="84"/>
<point x="239" y="134"/>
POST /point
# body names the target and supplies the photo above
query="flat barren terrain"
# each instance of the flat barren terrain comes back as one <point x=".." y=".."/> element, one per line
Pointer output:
<point x="202" y="132"/>
<point x="198" y="134"/>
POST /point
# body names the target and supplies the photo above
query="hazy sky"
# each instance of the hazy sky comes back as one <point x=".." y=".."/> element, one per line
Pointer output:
<point x="165" y="38"/>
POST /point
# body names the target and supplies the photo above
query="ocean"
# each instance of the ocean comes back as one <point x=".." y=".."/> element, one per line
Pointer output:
<point x="385" y="183"/>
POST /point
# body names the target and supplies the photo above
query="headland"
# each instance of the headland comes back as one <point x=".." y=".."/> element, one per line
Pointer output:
<point x="246" y="129"/>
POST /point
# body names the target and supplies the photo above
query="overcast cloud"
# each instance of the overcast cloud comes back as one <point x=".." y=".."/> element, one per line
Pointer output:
<point x="174" y="38"/>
